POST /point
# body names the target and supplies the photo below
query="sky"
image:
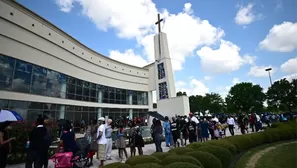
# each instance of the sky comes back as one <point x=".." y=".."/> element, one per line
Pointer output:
<point x="213" y="44"/>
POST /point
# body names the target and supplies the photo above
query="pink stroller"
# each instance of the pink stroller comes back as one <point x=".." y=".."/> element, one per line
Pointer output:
<point x="63" y="160"/>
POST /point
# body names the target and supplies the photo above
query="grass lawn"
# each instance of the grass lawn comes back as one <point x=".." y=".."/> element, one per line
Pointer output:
<point x="284" y="156"/>
<point x="241" y="163"/>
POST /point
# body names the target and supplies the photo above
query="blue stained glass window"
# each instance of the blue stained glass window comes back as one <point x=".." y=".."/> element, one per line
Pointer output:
<point x="161" y="71"/>
<point x="163" y="91"/>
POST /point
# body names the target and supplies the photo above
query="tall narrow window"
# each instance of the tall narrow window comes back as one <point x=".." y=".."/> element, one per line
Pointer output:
<point x="163" y="91"/>
<point x="161" y="71"/>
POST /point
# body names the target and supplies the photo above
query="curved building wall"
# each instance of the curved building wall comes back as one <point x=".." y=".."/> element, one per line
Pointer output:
<point x="42" y="64"/>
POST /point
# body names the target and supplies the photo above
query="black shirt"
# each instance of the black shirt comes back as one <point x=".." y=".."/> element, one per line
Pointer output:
<point x="38" y="140"/>
<point x="174" y="126"/>
<point x="192" y="127"/>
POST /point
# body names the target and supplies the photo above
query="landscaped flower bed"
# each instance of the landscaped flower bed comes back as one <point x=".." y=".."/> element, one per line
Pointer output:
<point x="21" y="130"/>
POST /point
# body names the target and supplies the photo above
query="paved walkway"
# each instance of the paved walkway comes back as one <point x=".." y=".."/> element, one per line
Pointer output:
<point x="147" y="150"/>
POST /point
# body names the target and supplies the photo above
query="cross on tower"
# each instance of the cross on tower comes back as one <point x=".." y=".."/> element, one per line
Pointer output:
<point x="159" y="23"/>
<point x="159" y="29"/>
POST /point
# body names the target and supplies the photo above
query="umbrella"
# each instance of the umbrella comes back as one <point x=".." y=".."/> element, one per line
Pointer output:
<point x="157" y="115"/>
<point x="7" y="115"/>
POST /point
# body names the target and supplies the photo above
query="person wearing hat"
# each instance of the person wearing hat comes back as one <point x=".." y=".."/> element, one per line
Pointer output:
<point x="101" y="141"/>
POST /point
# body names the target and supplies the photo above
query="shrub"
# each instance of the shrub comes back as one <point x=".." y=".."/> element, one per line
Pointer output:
<point x="182" y="165"/>
<point x="208" y="160"/>
<point x="21" y="130"/>
<point x="148" y="165"/>
<point x="242" y="142"/>
<point x="161" y="155"/>
<point x="222" y="154"/>
<point x="257" y="139"/>
<point x="224" y="144"/>
<point x="181" y="150"/>
<point x="196" y="145"/>
<point x="142" y="159"/>
<point x="180" y="158"/>
<point x="118" y="165"/>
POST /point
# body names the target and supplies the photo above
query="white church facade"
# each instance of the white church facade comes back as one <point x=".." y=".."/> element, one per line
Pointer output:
<point x="44" y="70"/>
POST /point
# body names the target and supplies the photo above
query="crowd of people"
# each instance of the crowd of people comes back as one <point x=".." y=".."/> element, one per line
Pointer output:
<point x="98" y="134"/>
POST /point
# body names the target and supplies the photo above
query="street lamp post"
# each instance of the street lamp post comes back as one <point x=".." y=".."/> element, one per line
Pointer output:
<point x="268" y="70"/>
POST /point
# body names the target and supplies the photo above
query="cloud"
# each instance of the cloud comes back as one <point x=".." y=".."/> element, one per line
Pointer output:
<point x="196" y="32"/>
<point x="260" y="71"/>
<point x="245" y="15"/>
<point x="179" y="84"/>
<point x="128" y="57"/>
<point x="249" y="59"/>
<point x="290" y="66"/>
<point x="207" y="78"/>
<point x="290" y="77"/>
<point x="235" y="81"/>
<point x="65" y="5"/>
<point x="225" y="59"/>
<point x="281" y="38"/>
<point x="134" y="19"/>
<point x="195" y="87"/>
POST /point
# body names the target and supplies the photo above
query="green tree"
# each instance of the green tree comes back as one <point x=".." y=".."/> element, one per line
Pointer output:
<point x="245" y="98"/>
<point x="197" y="103"/>
<point x="181" y="94"/>
<point x="213" y="102"/>
<point x="282" y="95"/>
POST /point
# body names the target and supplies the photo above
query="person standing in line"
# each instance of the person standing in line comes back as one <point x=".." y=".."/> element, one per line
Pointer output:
<point x="199" y="130"/>
<point x="152" y="129"/>
<point x="108" y="135"/>
<point x="121" y="143"/>
<point x="166" y="126"/>
<point x="192" y="131"/>
<point x="175" y="131"/>
<point x="49" y="137"/>
<point x="158" y="132"/>
<point x="231" y="124"/>
<point x="5" y="145"/>
<point x="204" y="130"/>
<point x="183" y="131"/>
<point x="101" y="141"/>
<point x="91" y="133"/>
<point x="38" y="148"/>
<point x="139" y="142"/>
<point x="131" y="137"/>
<point x="194" y="119"/>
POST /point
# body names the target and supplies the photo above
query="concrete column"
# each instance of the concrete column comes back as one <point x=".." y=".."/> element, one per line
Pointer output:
<point x="150" y="100"/>
<point x="62" y="112"/>
<point x="145" y="96"/>
<point x="131" y="114"/>
<point x="99" y="112"/>
<point x="99" y="96"/>
<point x="130" y="99"/>
<point x="63" y="90"/>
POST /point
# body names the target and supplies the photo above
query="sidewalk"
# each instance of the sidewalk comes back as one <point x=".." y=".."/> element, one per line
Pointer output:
<point x="147" y="150"/>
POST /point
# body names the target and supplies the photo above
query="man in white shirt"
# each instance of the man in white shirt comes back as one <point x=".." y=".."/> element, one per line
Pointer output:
<point x="231" y="123"/>
<point x="108" y="136"/>
<point x="101" y="140"/>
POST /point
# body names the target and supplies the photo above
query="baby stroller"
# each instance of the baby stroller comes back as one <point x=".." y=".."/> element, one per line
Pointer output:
<point x="79" y="160"/>
<point x="82" y="155"/>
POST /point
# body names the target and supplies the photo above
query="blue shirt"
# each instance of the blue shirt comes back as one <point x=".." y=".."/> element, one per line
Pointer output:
<point x="166" y="126"/>
<point x="69" y="142"/>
